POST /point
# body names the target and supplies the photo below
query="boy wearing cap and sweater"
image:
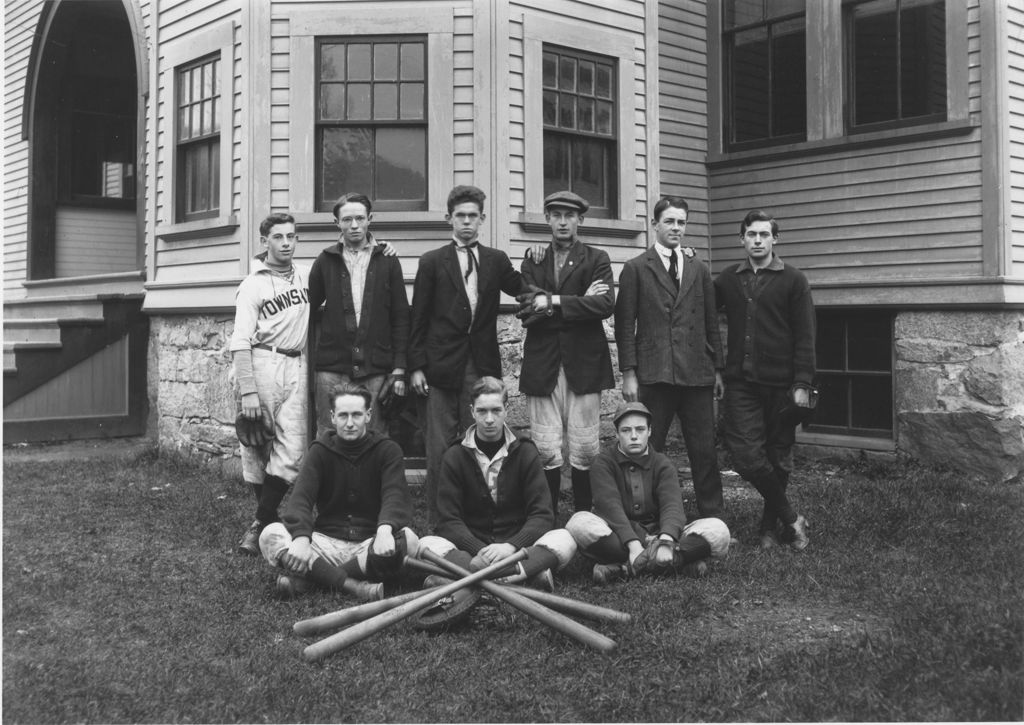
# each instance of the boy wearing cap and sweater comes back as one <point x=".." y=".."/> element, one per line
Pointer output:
<point x="638" y="524"/>
<point x="566" y="362"/>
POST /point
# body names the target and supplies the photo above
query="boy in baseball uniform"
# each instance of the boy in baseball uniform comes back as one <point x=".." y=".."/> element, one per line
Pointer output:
<point x="268" y="358"/>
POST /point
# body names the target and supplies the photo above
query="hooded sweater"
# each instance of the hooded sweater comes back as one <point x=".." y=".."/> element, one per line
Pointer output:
<point x="345" y="490"/>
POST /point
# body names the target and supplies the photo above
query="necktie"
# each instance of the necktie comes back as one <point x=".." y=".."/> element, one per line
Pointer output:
<point x="673" y="268"/>
<point x="471" y="263"/>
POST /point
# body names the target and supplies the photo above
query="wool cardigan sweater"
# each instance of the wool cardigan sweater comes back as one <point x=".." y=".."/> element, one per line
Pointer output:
<point x="637" y="496"/>
<point x="377" y="345"/>
<point x="471" y="519"/>
<point x="771" y="323"/>
<point x="353" y="487"/>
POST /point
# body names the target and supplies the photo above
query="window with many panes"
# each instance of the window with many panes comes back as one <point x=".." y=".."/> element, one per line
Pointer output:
<point x="764" y="44"/>
<point x="896" y="62"/>
<point x="198" y="139"/>
<point x="371" y="121"/>
<point x="854" y="359"/>
<point x="580" y="134"/>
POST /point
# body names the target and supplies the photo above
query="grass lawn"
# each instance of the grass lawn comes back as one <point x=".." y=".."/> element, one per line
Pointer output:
<point x="124" y="602"/>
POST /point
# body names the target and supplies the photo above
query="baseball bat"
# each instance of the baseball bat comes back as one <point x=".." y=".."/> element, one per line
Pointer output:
<point x="553" y="601"/>
<point x="351" y="615"/>
<point x="358" y="632"/>
<point x="557" y="621"/>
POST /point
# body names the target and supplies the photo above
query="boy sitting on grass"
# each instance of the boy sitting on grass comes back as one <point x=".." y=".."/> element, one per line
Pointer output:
<point x="638" y="524"/>
<point x="493" y="498"/>
<point x="349" y="510"/>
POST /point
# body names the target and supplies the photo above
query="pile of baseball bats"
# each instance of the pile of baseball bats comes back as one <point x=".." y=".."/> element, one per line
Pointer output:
<point x="364" y="620"/>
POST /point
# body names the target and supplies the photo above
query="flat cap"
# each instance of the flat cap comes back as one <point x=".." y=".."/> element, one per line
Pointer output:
<point x="568" y="200"/>
<point x="627" y="408"/>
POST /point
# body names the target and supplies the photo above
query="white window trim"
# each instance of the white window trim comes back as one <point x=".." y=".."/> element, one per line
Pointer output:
<point x="179" y="52"/>
<point x="537" y="31"/>
<point x="304" y="29"/>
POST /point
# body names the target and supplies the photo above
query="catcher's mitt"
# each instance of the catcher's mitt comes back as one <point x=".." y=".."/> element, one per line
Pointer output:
<point x="447" y="612"/>
<point x="647" y="561"/>
<point x="526" y="313"/>
<point x="254" y="433"/>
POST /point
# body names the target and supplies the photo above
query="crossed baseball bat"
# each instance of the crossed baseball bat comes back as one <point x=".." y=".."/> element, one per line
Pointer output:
<point x="372" y="617"/>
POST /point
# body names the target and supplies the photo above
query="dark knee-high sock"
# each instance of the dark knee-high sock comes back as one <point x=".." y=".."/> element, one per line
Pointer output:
<point x="462" y="558"/>
<point x="581" y="498"/>
<point x="693" y="548"/>
<point x="537" y="560"/>
<point x="327" y="574"/>
<point x="352" y="568"/>
<point x="607" y="549"/>
<point x="257" y="491"/>
<point x="554" y="477"/>
<point x="774" y="494"/>
<point x="273" y="491"/>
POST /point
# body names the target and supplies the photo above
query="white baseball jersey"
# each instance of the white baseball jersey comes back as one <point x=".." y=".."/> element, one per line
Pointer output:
<point x="270" y="310"/>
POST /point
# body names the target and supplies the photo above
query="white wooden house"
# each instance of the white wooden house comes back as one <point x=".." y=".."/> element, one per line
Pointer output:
<point x="145" y="139"/>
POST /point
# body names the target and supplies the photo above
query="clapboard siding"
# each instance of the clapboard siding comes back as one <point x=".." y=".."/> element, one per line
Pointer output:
<point x="902" y="211"/>
<point x="20" y="19"/>
<point x="683" y="107"/>
<point x="1015" y="53"/>
<point x="95" y="241"/>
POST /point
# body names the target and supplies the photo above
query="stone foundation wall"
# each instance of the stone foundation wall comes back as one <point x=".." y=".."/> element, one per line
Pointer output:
<point x="192" y="393"/>
<point x="960" y="390"/>
<point x="959" y="383"/>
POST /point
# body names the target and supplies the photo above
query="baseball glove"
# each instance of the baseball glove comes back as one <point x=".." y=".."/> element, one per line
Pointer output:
<point x="647" y="561"/>
<point x="526" y="313"/>
<point x="448" y="612"/>
<point x="390" y="402"/>
<point x="254" y="433"/>
<point x="792" y="414"/>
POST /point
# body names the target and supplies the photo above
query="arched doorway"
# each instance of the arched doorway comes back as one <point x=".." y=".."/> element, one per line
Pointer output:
<point x="83" y="128"/>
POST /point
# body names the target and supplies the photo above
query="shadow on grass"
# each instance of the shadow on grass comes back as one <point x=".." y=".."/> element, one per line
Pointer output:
<point x="124" y="602"/>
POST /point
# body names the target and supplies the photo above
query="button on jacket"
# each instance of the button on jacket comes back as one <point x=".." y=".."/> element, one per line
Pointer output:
<point x="667" y="335"/>
<point x="573" y="336"/>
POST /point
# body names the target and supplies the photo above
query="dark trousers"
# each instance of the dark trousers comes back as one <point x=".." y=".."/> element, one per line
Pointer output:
<point x="760" y="443"/>
<point x="695" y="408"/>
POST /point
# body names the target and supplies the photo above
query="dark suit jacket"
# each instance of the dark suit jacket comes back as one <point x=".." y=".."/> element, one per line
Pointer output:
<point x="667" y="336"/>
<point x="444" y="334"/>
<point x="573" y="337"/>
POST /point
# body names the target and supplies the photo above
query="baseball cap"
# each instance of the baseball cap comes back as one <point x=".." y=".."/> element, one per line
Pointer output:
<point x="627" y="408"/>
<point x="568" y="200"/>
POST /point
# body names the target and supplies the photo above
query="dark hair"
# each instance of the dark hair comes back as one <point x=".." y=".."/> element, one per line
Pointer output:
<point x="665" y="202"/>
<point x="462" y="194"/>
<point x="351" y="389"/>
<point x="758" y="216"/>
<point x="273" y="220"/>
<point x="488" y="385"/>
<point x="354" y="198"/>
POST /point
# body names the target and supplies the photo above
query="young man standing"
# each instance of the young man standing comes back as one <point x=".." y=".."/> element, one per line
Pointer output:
<point x="638" y="524"/>
<point x="453" y="339"/>
<point x="365" y="326"/>
<point x="349" y="512"/>
<point x="670" y="349"/>
<point x="566" y="362"/>
<point x="770" y="364"/>
<point x="492" y="497"/>
<point x="268" y="358"/>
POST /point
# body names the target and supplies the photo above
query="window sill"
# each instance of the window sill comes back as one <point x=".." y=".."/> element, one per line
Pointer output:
<point x="835" y="440"/>
<point x="607" y="230"/>
<point x="843" y="143"/>
<point x="214" y="227"/>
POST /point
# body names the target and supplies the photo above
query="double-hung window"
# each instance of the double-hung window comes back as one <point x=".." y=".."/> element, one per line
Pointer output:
<point x="580" y="129"/>
<point x="896" y="61"/>
<point x="199" y="112"/>
<point x="371" y="121"/>
<point x="765" y="72"/>
<point x="854" y="351"/>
